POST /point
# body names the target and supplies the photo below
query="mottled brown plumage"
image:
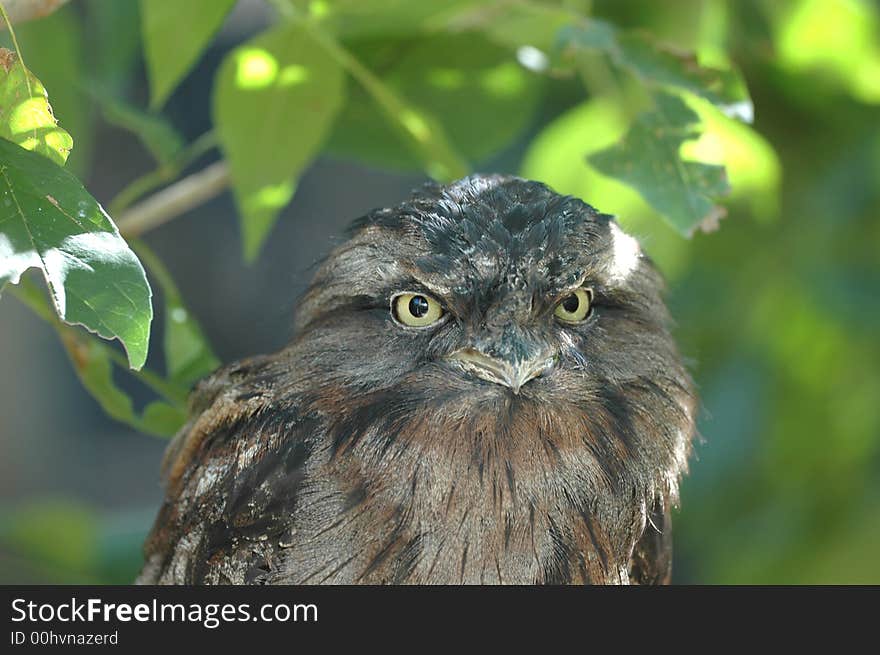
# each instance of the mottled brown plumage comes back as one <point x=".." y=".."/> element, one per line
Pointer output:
<point x="500" y="444"/>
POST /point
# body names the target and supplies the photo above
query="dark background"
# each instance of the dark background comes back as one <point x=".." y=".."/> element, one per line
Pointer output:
<point x="777" y="311"/>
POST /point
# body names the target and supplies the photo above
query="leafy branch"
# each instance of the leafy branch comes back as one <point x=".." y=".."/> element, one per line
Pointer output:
<point x="440" y="87"/>
<point x="174" y="201"/>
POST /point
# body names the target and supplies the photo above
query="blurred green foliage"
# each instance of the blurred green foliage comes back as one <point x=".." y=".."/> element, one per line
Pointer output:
<point x="777" y="310"/>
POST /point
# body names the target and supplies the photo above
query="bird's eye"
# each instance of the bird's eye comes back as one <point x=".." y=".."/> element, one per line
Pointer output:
<point x="575" y="307"/>
<point x="416" y="309"/>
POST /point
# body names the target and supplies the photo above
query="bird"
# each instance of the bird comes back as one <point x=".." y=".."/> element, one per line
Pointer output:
<point x="482" y="387"/>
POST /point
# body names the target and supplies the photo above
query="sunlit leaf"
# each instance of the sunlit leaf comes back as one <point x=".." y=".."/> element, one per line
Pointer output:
<point x="712" y="34"/>
<point x="648" y="159"/>
<point x="559" y="156"/>
<point x="26" y="118"/>
<point x="657" y="65"/>
<point x="174" y="35"/>
<point x="752" y="166"/>
<point x="358" y="18"/>
<point x="275" y="100"/>
<point x="838" y="38"/>
<point x="514" y="24"/>
<point x="419" y="129"/>
<point x="48" y="221"/>
<point x="55" y="52"/>
<point x="465" y="81"/>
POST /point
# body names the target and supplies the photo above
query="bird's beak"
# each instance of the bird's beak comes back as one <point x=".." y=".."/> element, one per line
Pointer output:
<point x="512" y="374"/>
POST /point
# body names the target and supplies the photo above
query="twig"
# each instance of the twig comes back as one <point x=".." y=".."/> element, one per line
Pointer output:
<point x="428" y="141"/>
<point x="175" y="200"/>
<point x="23" y="10"/>
<point x="7" y="23"/>
<point x="162" y="175"/>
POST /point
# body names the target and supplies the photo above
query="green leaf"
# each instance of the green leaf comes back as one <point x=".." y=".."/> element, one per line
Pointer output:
<point x="93" y="366"/>
<point x="386" y="18"/>
<point x="275" y="100"/>
<point x="95" y="370"/>
<point x="750" y="162"/>
<point x="115" y="44"/>
<point x="658" y="66"/>
<point x="558" y="156"/>
<point x="26" y="118"/>
<point x="55" y="52"/>
<point x="648" y="158"/>
<point x="514" y="24"/>
<point x="465" y="81"/>
<point x="162" y="419"/>
<point x="93" y="361"/>
<point x="49" y="221"/>
<point x="420" y="130"/>
<point x="175" y="34"/>
<point x="837" y="41"/>
<point x="188" y="356"/>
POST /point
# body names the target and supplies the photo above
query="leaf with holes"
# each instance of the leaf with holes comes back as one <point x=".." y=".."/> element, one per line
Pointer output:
<point x="658" y="66"/>
<point x="648" y="158"/>
<point x="26" y="118"/>
<point x="49" y="221"/>
<point x="56" y="50"/>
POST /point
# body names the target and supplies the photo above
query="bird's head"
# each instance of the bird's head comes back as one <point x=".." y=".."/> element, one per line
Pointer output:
<point x="495" y="305"/>
<point x="495" y="284"/>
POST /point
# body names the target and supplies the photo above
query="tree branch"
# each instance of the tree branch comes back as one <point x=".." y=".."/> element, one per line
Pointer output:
<point x="164" y="174"/>
<point x="24" y="10"/>
<point x="174" y="200"/>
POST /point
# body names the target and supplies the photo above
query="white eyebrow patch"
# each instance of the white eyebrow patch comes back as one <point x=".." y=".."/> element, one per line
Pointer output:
<point x="625" y="253"/>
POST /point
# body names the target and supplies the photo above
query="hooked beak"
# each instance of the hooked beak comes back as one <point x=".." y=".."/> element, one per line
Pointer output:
<point x="499" y="371"/>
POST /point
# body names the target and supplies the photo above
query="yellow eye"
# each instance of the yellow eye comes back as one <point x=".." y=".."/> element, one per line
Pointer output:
<point x="575" y="307"/>
<point x="416" y="309"/>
